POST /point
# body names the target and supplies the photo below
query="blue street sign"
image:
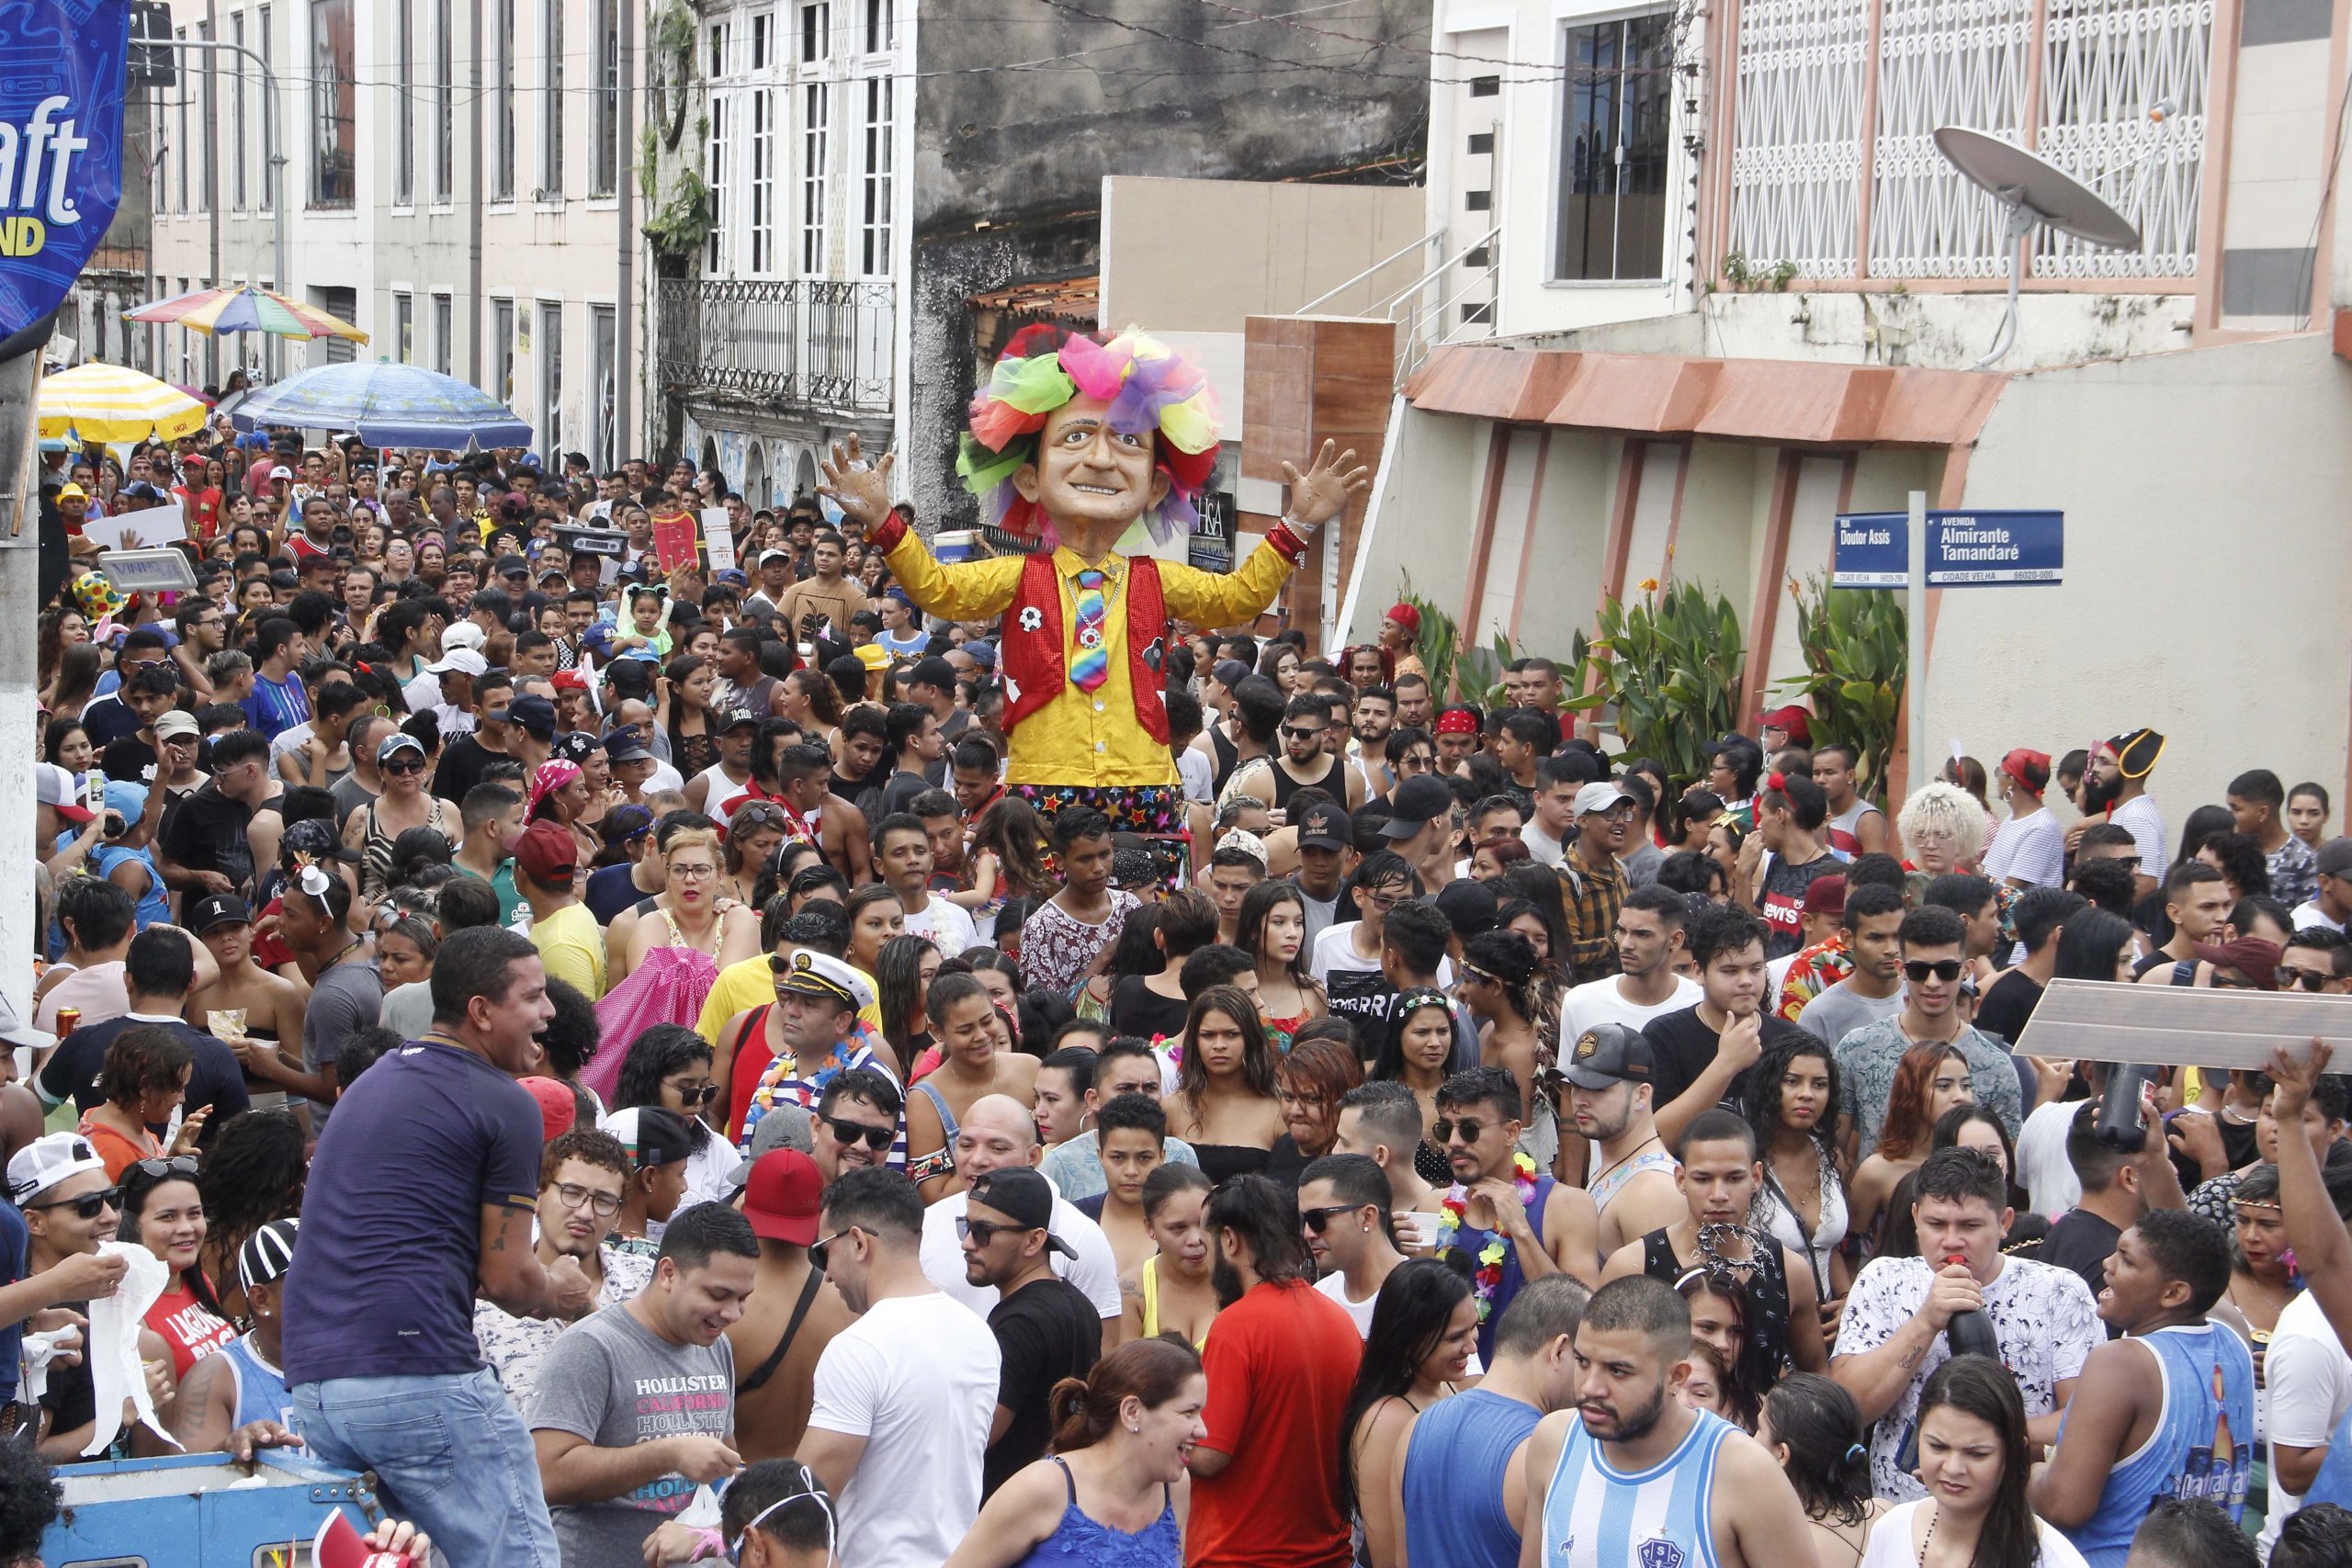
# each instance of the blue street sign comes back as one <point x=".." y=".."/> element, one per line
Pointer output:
<point x="1965" y="549"/>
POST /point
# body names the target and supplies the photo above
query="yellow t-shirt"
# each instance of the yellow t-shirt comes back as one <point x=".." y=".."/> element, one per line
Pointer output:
<point x="571" y="949"/>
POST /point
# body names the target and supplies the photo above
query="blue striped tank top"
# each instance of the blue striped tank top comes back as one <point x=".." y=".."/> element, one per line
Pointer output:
<point x="261" y="1388"/>
<point x="1597" y="1517"/>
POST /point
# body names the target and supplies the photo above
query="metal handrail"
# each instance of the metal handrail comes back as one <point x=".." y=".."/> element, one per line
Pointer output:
<point x="1430" y="238"/>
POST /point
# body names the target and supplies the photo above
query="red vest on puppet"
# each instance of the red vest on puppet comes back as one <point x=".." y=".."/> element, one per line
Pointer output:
<point x="1031" y="649"/>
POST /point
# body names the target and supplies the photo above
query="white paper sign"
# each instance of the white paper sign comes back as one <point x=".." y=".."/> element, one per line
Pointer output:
<point x="718" y="538"/>
<point x="134" y="530"/>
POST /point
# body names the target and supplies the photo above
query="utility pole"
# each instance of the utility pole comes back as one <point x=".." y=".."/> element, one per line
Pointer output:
<point x="624" y="318"/>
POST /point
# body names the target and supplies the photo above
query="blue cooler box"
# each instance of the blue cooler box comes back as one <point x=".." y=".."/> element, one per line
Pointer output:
<point x="197" y="1511"/>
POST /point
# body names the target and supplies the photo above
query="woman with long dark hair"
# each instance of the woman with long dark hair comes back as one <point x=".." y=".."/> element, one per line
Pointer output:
<point x="2094" y="945"/>
<point x="1973" y="1457"/>
<point x="1723" y="1315"/>
<point x="253" y="1174"/>
<point x="1424" y="1331"/>
<point x="1792" y="1105"/>
<point x="1813" y="1428"/>
<point x="1226" y="1104"/>
<point x="1967" y="1126"/>
<point x="682" y="707"/>
<point x="902" y="971"/>
<point x="1421" y="1051"/>
<point x="162" y="1210"/>
<point x="1271" y="929"/>
<point x="1114" y="1492"/>
<point x="669" y="1066"/>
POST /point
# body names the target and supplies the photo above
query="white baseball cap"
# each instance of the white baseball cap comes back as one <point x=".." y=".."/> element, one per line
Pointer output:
<point x="463" y="633"/>
<point x="462" y="661"/>
<point x="46" y="1161"/>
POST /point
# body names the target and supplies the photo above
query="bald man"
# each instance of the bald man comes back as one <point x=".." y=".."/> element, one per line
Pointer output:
<point x="1000" y="1131"/>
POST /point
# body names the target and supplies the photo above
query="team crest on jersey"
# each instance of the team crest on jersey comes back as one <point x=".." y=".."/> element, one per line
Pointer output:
<point x="1659" y="1553"/>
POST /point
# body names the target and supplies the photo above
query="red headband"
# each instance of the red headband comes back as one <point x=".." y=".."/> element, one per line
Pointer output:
<point x="1456" y="721"/>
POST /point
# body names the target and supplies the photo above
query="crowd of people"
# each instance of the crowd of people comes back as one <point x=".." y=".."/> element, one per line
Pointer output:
<point x="597" y="1045"/>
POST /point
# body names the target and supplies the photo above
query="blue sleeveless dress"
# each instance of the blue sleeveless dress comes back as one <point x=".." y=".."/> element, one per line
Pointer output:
<point x="1080" y="1542"/>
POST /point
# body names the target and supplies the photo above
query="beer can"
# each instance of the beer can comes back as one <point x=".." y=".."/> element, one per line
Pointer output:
<point x="68" y="1021"/>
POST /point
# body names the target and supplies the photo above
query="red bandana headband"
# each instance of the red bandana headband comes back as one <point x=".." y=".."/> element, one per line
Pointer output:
<point x="1456" y="721"/>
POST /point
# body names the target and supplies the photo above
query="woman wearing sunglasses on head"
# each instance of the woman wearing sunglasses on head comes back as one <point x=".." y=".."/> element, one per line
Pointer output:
<point x="163" y="1211"/>
<point x="669" y="1067"/>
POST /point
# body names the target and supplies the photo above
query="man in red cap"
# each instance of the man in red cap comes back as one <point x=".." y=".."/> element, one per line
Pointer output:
<point x="2030" y="849"/>
<point x="1401" y="629"/>
<point x="1782" y="727"/>
<point x="570" y="944"/>
<point x="792" y="1314"/>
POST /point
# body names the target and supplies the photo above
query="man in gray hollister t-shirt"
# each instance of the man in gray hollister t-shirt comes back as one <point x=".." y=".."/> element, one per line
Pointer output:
<point x="635" y="1404"/>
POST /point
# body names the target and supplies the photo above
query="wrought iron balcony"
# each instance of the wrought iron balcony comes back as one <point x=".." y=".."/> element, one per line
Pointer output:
<point x="807" y="341"/>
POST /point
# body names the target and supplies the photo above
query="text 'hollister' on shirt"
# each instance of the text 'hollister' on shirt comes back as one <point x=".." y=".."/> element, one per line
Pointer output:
<point x="383" y="1284"/>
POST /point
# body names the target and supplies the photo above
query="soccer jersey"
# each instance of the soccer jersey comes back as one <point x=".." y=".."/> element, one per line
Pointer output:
<point x="1596" y="1516"/>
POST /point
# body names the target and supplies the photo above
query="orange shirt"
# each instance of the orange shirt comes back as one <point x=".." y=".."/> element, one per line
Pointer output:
<point x="118" y="1152"/>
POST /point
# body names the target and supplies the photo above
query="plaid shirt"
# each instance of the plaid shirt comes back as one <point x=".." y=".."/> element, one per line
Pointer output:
<point x="1593" y="896"/>
<point x="1814" y="970"/>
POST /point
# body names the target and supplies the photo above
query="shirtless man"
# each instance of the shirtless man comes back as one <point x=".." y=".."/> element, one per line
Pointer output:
<point x="1608" y="1072"/>
<point x="272" y="1004"/>
<point x="804" y="773"/>
<point x="792" y="1314"/>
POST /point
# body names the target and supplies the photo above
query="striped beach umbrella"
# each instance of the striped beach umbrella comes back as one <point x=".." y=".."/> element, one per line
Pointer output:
<point x="245" y="310"/>
<point x="110" y="403"/>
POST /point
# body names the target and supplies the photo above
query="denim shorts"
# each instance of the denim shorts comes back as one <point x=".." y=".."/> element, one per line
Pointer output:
<point x="452" y="1455"/>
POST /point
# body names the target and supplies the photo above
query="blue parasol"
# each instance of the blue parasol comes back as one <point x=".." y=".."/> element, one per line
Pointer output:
<point x="388" y="405"/>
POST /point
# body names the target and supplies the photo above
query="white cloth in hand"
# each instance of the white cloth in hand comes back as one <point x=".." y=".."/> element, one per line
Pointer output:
<point x="112" y="1349"/>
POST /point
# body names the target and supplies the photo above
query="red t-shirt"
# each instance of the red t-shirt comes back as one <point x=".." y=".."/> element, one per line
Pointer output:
<point x="1280" y="1363"/>
<point x="188" y="1326"/>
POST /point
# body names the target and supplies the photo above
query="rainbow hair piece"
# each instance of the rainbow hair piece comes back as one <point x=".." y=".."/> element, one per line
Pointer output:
<point x="1150" y="387"/>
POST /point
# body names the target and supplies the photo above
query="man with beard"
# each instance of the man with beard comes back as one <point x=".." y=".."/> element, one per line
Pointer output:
<point x="1045" y="1329"/>
<point x="1498" y="1195"/>
<point x="1412" y="701"/>
<point x="1607" y="1482"/>
<point x="1375" y="720"/>
<point x="1303" y="763"/>
<point x="636" y="1407"/>
<point x="1280" y="1364"/>
<point x="2116" y="788"/>
<point x="906" y="1394"/>
<point x="1609" y="1073"/>
<point x="582" y="1177"/>
<point x="855" y="1121"/>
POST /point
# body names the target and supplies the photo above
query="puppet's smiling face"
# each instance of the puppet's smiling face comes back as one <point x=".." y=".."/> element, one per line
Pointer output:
<point x="1092" y="480"/>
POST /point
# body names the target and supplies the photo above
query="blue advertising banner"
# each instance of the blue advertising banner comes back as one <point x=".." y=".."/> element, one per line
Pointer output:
<point x="1965" y="549"/>
<point x="62" y="73"/>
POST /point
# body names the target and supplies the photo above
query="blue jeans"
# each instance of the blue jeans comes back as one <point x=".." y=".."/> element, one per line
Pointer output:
<point x="453" y="1457"/>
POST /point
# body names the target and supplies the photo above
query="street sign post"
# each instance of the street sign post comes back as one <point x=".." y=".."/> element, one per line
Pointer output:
<point x="1921" y="550"/>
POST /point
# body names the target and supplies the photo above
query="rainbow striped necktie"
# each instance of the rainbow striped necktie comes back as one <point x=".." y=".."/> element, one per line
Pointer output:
<point x="1092" y="665"/>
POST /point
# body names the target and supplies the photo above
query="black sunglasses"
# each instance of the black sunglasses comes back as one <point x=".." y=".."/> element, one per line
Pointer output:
<point x="89" y="1204"/>
<point x="1442" y="1130"/>
<point x="1297" y="734"/>
<point x="817" y="1247"/>
<point x="694" y="1097"/>
<point x="846" y="1132"/>
<point x="1944" y="969"/>
<point x="1317" y="1220"/>
<point x="414" y="765"/>
<point x="2289" y="977"/>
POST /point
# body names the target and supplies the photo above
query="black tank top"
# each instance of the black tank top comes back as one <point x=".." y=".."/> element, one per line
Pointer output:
<point x="1334" y="783"/>
<point x="1767" y="1292"/>
<point x="1228" y="757"/>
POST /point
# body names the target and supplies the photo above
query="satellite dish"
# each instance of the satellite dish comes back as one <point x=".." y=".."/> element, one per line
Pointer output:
<point x="2032" y="190"/>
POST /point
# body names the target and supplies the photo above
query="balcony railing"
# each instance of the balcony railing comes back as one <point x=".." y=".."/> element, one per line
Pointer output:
<point x="809" y="342"/>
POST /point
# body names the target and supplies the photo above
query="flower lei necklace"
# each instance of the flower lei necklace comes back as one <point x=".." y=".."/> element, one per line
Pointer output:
<point x="1486" y="1277"/>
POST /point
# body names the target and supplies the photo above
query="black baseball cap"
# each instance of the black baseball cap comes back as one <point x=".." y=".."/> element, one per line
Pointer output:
<point x="216" y="910"/>
<point x="1324" y="828"/>
<point x="932" y="672"/>
<point x="1415" y="801"/>
<point x="1025" y="1197"/>
<point x="1608" y="1054"/>
<point x="650" y="1136"/>
<point x="315" y="837"/>
<point x="533" y="715"/>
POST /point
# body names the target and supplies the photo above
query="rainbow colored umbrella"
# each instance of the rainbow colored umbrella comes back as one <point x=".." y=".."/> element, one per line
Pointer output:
<point x="107" y="403"/>
<point x="245" y="310"/>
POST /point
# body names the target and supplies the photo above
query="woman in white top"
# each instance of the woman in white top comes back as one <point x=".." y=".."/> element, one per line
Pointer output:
<point x="1792" y="1105"/>
<point x="1972" y="1455"/>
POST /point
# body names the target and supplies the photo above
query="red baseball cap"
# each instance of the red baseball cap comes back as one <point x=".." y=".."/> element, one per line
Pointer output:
<point x="783" y="1196"/>
<point x="1795" y="720"/>
<point x="558" y="1109"/>
<point x="547" y="851"/>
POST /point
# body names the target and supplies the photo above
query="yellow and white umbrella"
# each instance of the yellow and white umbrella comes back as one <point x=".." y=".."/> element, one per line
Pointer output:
<point x="111" y="404"/>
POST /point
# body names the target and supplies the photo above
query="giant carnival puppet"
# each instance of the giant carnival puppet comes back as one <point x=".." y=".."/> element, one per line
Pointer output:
<point x="1075" y="439"/>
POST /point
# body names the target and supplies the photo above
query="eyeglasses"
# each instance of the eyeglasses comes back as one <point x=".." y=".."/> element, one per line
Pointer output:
<point x="1442" y="1130"/>
<point x="1917" y="970"/>
<point x="692" y="872"/>
<point x="817" y="1249"/>
<point x="2291" y="976"/>
<point x="983" y="1231"/>
<point x="695" y="1094"/>
<point x="409" y="765"/>
<point x="1316" y="1220"/>
<point x="846" y="1132"/>
<point x="177" y="1165"/>
<point x="571" y="1195"/>
<point x="1384" y="902"/>
<point x="89" y="1204"/>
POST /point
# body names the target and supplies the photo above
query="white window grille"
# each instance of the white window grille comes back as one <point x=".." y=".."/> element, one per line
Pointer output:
<point x="816" y="122"/>
<point x="1796" y="166"/>
<point x="2105" y="64"/>
<point x="1943" y="64"/>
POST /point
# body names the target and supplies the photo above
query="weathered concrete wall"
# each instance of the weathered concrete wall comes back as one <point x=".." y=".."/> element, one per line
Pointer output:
<point x="1172" y="87"/>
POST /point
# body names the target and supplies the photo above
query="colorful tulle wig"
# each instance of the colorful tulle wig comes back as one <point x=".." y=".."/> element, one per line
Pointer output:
<point x="1150" y="387"/>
